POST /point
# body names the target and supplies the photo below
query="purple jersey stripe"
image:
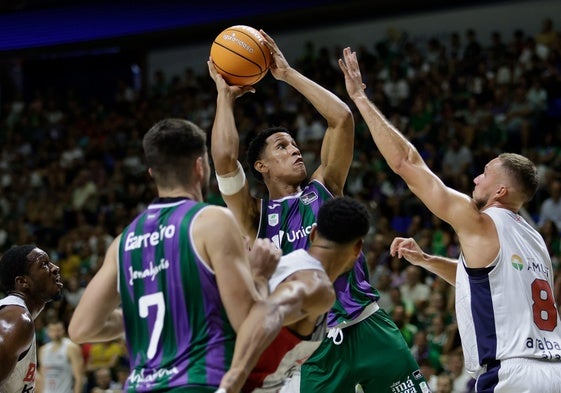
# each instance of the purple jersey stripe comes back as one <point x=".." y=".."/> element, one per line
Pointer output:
<point x="177" y="304"/>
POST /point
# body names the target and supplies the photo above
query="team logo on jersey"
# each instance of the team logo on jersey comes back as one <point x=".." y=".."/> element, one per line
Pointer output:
<point x="309" y="197"/>
<point x="273" y="219"/>
<point x="517" y="262"/>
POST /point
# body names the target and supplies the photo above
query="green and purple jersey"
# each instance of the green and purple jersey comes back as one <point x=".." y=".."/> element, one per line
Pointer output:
<point x="288" y="222"/>
<point x="177" y="330"/>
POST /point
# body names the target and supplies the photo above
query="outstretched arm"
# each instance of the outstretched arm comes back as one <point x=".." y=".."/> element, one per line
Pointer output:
<point x="304" y="295"/>
<point x="225" y="150"/>
<point x="338" y="142"/>
<point x="404" y="159"/>
<point x="97" y="318"/>
<point x="410" y="250"/>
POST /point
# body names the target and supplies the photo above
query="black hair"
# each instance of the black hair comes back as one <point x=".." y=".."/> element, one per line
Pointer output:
<point x="169" y="147"/>
<point x="343" y="219"/>
<point x="14" y="263"/>
<point x="256" y="147"/>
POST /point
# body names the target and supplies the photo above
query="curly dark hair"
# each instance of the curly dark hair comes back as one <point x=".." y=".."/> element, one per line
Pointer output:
<point x="343" y="219"/>
<point x="14" y="263"/>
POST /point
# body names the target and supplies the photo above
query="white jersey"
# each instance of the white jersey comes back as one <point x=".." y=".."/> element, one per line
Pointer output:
<point x="293" y="262"/>
<point x="288" y="351"/>
<point x="56" y="367"/>
<point x="507" y="310"/>
<point x="22" y="379"/>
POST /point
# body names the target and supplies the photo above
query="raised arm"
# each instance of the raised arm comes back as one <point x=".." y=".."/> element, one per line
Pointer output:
<point x="97" y="316"/>
<point x="305" y="295"/>
<point x="403" y="158"/>
<point x="409" y="249"/>
<point x="338" y="141"/>
<point x="225" y="150"/>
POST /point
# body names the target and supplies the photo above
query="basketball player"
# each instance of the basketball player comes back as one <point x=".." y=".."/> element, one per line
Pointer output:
<point x="301" y="293"/>
<point x="60" y="362"/>
<point x="180" y="271"/>
<point x="287" y="216"/>
<point x="507" y="318"/>
<point x="30" y="280"/>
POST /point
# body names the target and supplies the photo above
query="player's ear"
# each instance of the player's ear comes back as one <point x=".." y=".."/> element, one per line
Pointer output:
<point x="22" y="282"/>
<point x="313" y="233"/>
<point x="260" y="166"/>
<point x="357" y="247"/>
<point x="200" y="167"/>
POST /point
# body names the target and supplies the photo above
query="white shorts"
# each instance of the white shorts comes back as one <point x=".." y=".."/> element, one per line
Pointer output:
<point x="527" y="376"/>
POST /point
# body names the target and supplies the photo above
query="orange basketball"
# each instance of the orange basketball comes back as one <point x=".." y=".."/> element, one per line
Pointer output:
<point x="240" y="55"/>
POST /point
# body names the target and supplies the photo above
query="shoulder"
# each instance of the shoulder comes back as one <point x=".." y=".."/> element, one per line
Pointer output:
<point x="17" y="325"/>
<point x="212" y="215"/>
<point x="214" y="224"/>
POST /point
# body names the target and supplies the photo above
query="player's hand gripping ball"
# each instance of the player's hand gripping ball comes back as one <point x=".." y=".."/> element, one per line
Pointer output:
<point x="240" y="55"/>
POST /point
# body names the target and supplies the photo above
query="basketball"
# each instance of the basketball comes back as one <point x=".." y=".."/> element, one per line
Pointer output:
<point x="240" y="55"/>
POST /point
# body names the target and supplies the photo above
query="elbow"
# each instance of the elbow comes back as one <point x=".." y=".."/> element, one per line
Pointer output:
<point x="77" y="333"/>
<point x="402" y="163"/>
<point x="397" y="164"/>
<point x="346" y="118"/>
<point x="340" y="117"/>
<point x="225" y="161"/>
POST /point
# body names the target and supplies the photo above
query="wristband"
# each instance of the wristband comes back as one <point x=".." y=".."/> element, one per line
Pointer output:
<point x="232" y="182"/>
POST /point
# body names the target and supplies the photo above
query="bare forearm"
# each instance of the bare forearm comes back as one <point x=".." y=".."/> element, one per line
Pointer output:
<point x="111" y="329"/>
<point x="262" y="286"/>
<point x="258" y="330"/>
<point x="392" y="144"/>
<point x="225" y="139"/>
<point x="78" y="383"/>
<point x="331" y="107"/>
<point x="441" y="266"/>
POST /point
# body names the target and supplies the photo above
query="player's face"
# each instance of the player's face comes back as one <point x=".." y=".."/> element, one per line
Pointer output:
<point x="486" y="183"/>
<point x="44" y="276"/>
<point x="55" y="331"/>
<point x="283" y="159"/>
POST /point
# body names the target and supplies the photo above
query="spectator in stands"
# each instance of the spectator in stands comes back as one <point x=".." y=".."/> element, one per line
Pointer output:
<point x="550" y="209"/>
<point x="414" y="291"/>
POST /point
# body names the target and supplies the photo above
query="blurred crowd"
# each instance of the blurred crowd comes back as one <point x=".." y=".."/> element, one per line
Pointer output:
<point x="72" y="174"/>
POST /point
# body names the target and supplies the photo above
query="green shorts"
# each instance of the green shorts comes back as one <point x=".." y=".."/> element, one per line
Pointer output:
<point x="373" y="354"/>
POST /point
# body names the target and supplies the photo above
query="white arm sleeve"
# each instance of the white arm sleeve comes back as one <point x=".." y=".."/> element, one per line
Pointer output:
<point x="232" y="182"/>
